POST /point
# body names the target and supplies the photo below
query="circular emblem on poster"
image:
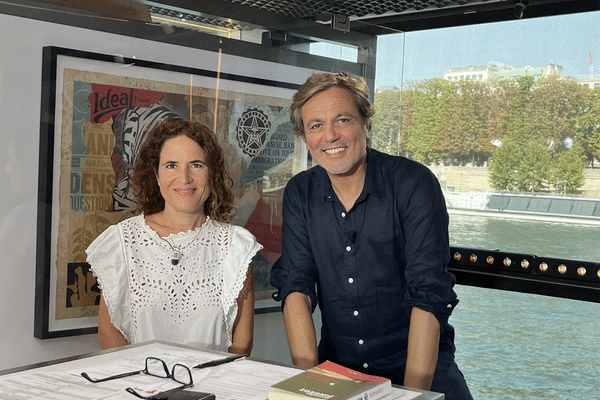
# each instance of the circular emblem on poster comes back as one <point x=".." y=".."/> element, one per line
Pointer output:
<point x="252" y="130"/>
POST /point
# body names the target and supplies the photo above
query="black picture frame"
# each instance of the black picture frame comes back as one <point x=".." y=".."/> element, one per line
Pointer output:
<point x="47" y="207"/>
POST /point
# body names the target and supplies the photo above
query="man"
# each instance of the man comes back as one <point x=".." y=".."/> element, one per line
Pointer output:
<point x="370" y="231"/>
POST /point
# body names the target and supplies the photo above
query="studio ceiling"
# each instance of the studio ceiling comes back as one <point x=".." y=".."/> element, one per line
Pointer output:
<point x="376" y="17"/>
<point x="352" y="8"/>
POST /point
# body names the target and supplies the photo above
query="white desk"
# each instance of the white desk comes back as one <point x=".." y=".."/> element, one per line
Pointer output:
<point x="248" y="379"/>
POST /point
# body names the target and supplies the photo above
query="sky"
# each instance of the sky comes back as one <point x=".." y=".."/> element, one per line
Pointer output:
<point x="565" y="40"/>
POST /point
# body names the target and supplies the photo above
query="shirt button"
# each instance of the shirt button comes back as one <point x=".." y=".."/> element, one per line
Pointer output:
<point x="365" y="365"/>
<point x="348" y="248"/>
<point x="350" y="280"/>
<point x="360" y="341"/>
<point x="355" y="313"/>
<point x="449" y="306"/>
<point x="343" y="214"/>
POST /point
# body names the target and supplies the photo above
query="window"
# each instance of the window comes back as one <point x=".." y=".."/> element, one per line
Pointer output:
<point x="529" y="134"/>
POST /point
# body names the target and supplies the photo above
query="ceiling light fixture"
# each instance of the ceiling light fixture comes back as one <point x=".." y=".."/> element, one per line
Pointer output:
<point x="176" y="22"/>
<point x="520" y="6"/>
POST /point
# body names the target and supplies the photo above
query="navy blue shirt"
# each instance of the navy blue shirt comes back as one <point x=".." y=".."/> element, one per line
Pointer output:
<point x="368" y="267"/>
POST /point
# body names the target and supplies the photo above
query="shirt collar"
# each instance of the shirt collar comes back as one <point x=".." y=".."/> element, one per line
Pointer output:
<point x="373" y="179"/>
<point x="324" y="190"/>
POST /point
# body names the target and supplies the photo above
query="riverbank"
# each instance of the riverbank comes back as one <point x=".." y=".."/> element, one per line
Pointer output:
<point x="574" y="210"/>
<point x="476" y="179"/>
<point x="526" y="217"/>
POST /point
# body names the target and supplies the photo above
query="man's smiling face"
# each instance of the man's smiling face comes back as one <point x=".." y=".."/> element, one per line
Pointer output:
<point x="335" y="133"/>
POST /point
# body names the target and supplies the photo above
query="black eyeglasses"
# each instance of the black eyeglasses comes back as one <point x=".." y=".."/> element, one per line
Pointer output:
<point x="154" y="367"/>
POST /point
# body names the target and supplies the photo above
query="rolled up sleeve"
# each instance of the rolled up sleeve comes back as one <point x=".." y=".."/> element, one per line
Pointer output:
<point x="429" y="286"/>
<point x="295" y="270"/>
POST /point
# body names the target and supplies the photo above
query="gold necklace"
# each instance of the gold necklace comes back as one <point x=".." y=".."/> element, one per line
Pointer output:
<point x="178" y="249"/>
<point x="182" y="247"/>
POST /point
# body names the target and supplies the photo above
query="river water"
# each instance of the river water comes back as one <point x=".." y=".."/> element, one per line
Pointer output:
<point x="519" y="346"/>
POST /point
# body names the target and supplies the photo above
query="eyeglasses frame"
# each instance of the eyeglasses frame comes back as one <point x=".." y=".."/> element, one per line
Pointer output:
<point x="169" y="375"/>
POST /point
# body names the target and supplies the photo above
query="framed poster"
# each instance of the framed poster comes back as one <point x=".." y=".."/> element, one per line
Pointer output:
<point x="96" y="110"/>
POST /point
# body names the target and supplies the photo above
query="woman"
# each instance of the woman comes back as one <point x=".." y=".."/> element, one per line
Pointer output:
<point x="179" y="271"/>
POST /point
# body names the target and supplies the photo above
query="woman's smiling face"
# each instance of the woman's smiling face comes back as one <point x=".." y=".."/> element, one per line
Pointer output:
<point x="183" y="175"/>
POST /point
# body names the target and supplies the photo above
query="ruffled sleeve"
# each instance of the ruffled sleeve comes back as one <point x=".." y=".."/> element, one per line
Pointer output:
<point x="242" y="248"/>
<point x="106" y="257"/>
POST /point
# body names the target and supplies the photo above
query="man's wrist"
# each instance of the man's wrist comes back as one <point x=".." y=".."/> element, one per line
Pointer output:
<point x="305" y="362"/>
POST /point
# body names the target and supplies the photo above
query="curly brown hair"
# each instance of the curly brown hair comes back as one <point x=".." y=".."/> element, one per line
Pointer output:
<point x="318" y="83"/>
<point x="219" y="205"/>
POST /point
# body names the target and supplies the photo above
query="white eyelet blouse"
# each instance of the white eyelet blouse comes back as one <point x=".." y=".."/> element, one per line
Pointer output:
<point x="192" y="302"/>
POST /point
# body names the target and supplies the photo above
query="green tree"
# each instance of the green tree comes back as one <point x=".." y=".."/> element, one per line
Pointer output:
<point x="552" y="113"/>
<point x="568" y="170"/>
<point x="588" y="126"/>
<point x="462" y="136"/>
<point x="520" y="165"/>
<point x="534" y="173"/>
<point x="386" y="121"/>
<point x="518" y="102"/>
<point x="503" y="166"/>
<point x="430" y="102"/>
<point x="461" y="122"/>
<point x="406" y="120"/>
<point x="546" y="117"/>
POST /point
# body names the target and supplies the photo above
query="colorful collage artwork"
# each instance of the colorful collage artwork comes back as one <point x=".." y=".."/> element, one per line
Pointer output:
<point x="105" y="119"/>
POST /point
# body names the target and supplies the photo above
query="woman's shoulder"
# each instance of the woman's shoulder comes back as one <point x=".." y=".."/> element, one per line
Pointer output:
<point x="133" y="220"/>
<point x="241" y="241"/>
<point x="135" y="225"/>
<point x="112" y="235"/>
<point x="238" y="233"/>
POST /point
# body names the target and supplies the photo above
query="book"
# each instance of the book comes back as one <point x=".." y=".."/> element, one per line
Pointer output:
<point x="329" y="380"/>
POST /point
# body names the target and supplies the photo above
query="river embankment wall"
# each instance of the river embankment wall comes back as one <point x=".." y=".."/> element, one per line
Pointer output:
<point x="476" y="179"/>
